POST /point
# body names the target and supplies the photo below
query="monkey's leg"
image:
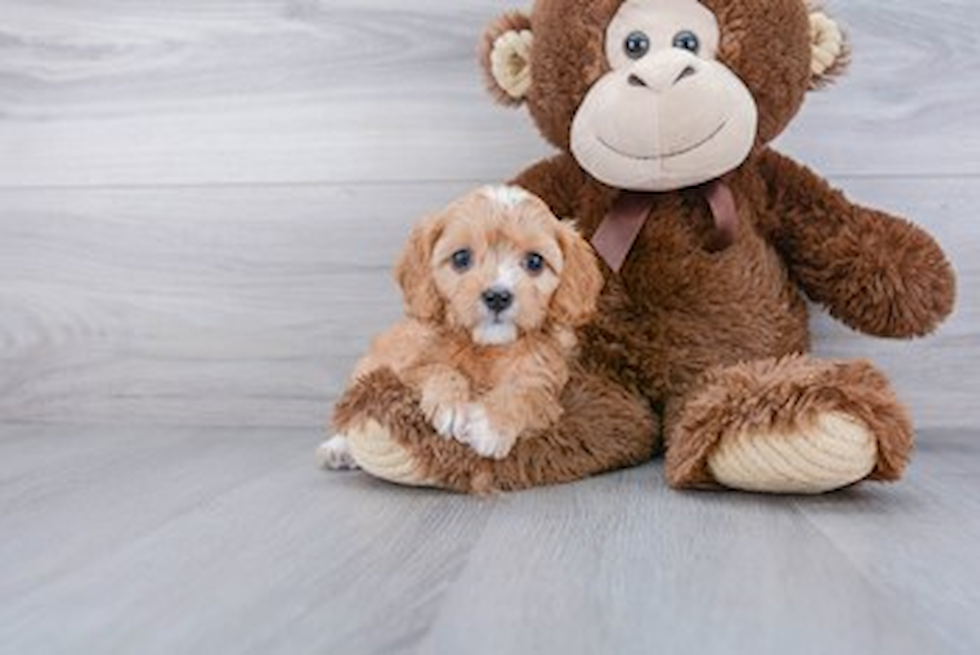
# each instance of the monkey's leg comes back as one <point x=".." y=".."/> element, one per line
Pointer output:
<point x="603" y="428"/>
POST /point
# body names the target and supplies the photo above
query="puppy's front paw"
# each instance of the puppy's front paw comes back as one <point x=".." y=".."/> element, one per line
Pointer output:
<point x="448" y="420"/>
<point x="480" y="434"/>
<point x="334" y="454"/>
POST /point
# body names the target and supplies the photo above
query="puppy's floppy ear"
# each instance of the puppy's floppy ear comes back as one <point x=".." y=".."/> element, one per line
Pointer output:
<point x="576" y="299"/>
<point x="505" y="55"/>
<point x="413" y="272"/>
<point x="830" y="50"/>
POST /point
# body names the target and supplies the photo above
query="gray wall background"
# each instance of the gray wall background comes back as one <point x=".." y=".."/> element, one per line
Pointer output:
<point x="200" y="200"/>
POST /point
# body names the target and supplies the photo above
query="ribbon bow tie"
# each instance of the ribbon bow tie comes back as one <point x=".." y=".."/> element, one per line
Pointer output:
<point x="621" y="227"/>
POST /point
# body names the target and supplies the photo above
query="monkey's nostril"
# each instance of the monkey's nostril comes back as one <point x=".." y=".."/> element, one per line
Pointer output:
<point x="636" y="80"/>
<point x="687" y="72"/>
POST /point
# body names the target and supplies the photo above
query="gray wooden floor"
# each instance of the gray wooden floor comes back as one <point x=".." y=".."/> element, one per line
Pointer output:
<point x="199" y="203"/>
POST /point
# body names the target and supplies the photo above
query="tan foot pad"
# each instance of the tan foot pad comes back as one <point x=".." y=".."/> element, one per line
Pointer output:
<point x="377" y="453"/>
<point x="835" y="452"/>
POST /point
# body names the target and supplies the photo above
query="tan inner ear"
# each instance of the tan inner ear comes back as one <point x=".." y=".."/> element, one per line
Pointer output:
<point x="510" y="61"/>
<point x="829" y="47"/>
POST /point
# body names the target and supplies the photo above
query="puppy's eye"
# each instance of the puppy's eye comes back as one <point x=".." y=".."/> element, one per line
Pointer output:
<point x="462" y="260"/>
<point x="636" y="45"/>
<point x="534" y="263"/>
<point x="687" y="40"/>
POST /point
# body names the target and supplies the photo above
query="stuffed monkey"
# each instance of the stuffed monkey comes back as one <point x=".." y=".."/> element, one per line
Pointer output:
<point x="662" y="111"/>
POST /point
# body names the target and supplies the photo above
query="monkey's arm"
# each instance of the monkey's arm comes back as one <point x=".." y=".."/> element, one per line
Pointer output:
<point x="556" y="181"/>
<point x="877" y="273"/>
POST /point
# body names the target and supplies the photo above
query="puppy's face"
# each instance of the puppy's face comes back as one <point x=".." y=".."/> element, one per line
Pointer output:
<point x="498" y="264"/>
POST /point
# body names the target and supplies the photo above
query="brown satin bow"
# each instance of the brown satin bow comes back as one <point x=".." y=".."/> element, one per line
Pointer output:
<point x="621" y="227"/>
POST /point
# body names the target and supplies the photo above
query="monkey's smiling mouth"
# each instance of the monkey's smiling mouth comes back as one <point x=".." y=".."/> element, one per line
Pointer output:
<point x="669" y="155"/>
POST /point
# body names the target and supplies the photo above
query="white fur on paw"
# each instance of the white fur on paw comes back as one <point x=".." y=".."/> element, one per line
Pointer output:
<point x="450" y="421"/>
<point x="482" y="437"/>
<point x="334" y="454"/>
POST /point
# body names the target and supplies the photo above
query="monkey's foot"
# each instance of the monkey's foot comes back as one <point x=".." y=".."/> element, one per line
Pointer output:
<point x="795" y="425"/>
<point x="373" y="449"/>
<point x="833" y="451"/>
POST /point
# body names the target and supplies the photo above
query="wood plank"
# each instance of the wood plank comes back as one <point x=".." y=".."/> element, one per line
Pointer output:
<point x="163" y="93"/>
<point x="71" y="496"/>
<point x="165" y="544"/>
<point x="221" y="306"/>
<point x="623" y="565"/>
<point x="903" y="540"/>
<point x="871" y="570"/>
<point x="233" y="306"/>
<point x="196" y="541"/>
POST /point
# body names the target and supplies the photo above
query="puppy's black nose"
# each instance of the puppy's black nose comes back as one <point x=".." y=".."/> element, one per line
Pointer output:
<point x="498" y="300"/>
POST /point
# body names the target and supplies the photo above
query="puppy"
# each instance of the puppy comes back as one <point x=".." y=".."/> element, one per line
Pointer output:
<point x="494" y="288"/>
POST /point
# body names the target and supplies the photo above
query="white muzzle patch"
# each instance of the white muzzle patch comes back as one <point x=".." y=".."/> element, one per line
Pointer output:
<point x="499" y="329"/>
<point x="494" y="332"/>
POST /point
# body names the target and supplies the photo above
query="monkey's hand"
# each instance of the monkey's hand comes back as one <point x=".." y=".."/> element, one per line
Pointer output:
<point x="877" y="273"/>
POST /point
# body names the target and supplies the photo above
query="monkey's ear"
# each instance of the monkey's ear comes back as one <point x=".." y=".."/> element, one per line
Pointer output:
<point x="505" y="55"/>
<point x="831" y="52"/>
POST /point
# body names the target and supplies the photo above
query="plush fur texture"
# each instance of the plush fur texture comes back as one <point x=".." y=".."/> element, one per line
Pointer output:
<point x="782" y="395"/>
<point x="570" y="450"/>
<point x="711" y="341"/>
<point x="506" y="54"/>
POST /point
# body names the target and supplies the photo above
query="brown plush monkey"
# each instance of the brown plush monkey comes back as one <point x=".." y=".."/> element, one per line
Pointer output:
<point x="663" y="110"/>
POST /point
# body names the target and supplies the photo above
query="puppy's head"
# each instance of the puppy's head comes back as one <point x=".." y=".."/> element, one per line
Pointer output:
<point x="498" y="264"/>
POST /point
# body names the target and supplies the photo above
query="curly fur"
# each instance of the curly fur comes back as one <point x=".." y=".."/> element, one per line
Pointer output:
<point x="436" y="352"/>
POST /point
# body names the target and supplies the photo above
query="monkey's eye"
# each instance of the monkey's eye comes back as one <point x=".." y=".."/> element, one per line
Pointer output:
<point x="534" y="263"/>
<point x="687" y="40"/>
<point x="637" y="45"/>
<point x="462" y="260"/>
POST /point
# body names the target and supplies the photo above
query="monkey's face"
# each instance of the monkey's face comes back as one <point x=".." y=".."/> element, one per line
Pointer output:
<point x="667" y="114"/>
<point x="658" y="95"/>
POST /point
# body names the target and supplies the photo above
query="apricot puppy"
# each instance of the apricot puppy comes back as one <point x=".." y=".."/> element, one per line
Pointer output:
<point x="494" y="289"/>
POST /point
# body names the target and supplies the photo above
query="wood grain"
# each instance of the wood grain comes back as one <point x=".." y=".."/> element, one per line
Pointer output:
<point x="904" y="539"/>
<point x="699" y="573"/>
<point x="201" y="541"/>
<point x="248" y="306"/>
<point x="108" y="92"/>
<point x="232" y="543"/>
